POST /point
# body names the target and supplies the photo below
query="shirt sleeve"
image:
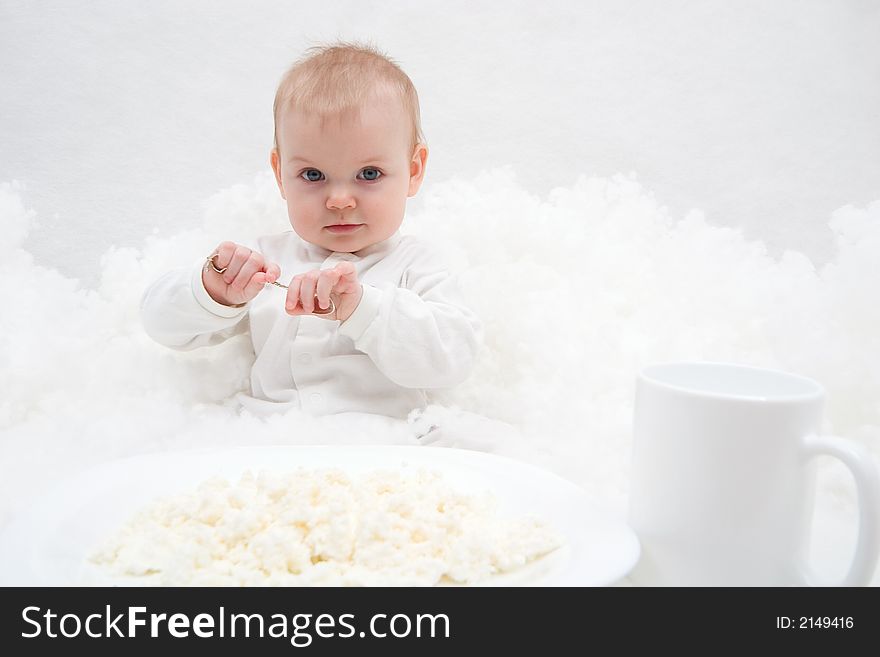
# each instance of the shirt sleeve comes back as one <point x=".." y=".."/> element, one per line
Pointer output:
<point x="420" y="335"/>
<point x="178" y="312"/>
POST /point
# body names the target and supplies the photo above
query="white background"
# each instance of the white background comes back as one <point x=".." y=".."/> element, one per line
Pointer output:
<point x="124" y="116"/>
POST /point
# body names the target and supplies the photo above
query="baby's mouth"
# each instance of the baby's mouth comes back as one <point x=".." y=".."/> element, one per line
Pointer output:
<point x="343" y="228"/>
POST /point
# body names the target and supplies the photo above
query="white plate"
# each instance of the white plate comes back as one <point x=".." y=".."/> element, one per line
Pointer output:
<point x="47" y="544"/>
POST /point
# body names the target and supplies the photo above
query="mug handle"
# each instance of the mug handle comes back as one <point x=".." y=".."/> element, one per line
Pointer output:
<point x="864" y="471"/>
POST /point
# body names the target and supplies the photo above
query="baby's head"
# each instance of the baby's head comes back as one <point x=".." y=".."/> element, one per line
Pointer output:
<point x="348" y="146"/>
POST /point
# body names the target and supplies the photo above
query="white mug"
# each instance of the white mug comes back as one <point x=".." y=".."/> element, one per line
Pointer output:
<point x="723" y="478"/>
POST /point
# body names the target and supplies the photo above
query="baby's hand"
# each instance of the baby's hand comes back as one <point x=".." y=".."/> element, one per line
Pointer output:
<point x="245" y="274"/>
<point x="340" y="284"/>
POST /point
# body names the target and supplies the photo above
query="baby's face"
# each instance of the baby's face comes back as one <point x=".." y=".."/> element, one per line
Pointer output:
<point x="346" y="182"/>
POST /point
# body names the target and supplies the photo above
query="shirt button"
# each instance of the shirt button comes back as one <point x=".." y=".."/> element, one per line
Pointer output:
<point x="315" y="398"/>
<point x="304" y="358"/>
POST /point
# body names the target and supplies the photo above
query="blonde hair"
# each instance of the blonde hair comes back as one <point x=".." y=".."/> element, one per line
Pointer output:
<point x="340" y="78"/>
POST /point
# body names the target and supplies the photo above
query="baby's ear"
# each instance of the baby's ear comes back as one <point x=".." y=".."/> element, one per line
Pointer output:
<point x="275" y="162"/>
<point x="417" y="168"/>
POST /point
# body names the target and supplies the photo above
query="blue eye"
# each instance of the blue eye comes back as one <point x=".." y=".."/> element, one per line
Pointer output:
<point x="312" y="175"/>
<point x="370" y="174"/>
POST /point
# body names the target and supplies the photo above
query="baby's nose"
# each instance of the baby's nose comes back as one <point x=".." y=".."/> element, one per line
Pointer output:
<point x="340" y="198"/>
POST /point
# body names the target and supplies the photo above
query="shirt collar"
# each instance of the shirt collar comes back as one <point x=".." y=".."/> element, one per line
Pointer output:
<point x="316" y="253"/>
<point x="319" y="253"/>
<point x="381" y="248"/>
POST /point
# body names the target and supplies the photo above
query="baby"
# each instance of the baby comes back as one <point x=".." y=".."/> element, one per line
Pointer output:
<point x="371" y="319"/>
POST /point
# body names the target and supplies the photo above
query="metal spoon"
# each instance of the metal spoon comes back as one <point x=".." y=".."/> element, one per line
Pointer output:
<point x="318" y="310"/>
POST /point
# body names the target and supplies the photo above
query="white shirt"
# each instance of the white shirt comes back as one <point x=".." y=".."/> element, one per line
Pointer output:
<point x="410" y="333"/>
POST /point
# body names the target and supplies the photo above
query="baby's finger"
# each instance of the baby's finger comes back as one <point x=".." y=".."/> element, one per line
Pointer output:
<point x="255" y="285"/>
<point x="347" y="280"/>
<point x="307" y="291"/>
<point x="326" y="282"/>
<point x="290" y="304"/>
<point x="251" y="266"/>
<point x="345" y="268"/>
<point x="273" y="271"/>
<point x="239" y="257"/>
<point x="223" y="254"/>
